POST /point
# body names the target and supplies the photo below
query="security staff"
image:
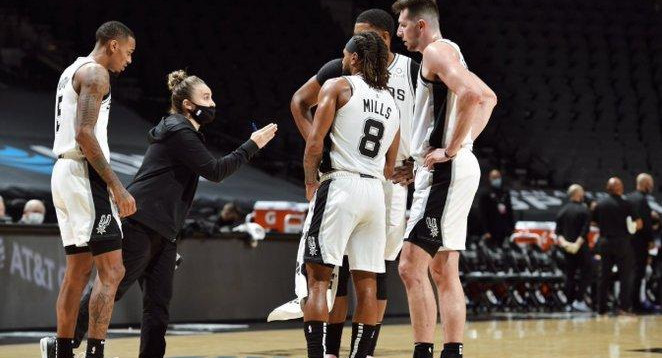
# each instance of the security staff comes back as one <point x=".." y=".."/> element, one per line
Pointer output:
<point x="617" y="221"/>
<point x="496" y="211"/>
<point x="643" y="238"/>
<point x="572" y="226"/>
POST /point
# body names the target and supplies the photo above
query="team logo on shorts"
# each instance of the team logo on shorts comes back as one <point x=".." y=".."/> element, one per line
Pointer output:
<point x="312" y="246"/>
<point x="432" y="225"/>
<point x="104" y="221"/>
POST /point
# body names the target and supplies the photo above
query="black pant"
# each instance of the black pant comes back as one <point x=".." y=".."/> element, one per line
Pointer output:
<point x="149" y="259"/>
<point x="616" y="251"/>
<point x="640" y="251"/>
<point x="577" y="264"/>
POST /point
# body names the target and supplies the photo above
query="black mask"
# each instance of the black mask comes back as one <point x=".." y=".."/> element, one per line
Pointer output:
<point x="203" y="114"/>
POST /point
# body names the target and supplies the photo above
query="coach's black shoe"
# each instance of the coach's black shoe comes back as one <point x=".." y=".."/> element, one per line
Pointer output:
<point x="47" y="347"/>
<point x="178" y="261"/>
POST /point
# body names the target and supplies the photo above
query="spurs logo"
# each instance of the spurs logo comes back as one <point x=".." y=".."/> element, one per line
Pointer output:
<point x="432" y="225"/>
<point x="104" y="221"/>
<point x="312" y="246"/>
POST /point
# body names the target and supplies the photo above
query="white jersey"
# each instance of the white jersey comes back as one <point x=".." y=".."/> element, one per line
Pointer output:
<point x="363" y="130"/>
<point x="401" y="84"/>
<point x="435" y="115"/>
<point x="66" y="101"/>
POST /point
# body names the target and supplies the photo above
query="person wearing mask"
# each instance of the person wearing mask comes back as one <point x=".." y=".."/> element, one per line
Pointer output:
<point x="642" y="240"/>
<point x="496" y="210"/>
<point x="4" y="219"/>
<point x="34" y="212"/>
<point x="164" y="188"/>
<point x="617" y="221"/>
<point x="572" y="226"/>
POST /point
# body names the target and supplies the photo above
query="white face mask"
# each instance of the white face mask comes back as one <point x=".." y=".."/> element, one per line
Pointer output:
<point x="34" y="218"/>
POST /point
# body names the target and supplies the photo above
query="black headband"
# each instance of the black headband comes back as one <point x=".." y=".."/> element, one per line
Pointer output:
<point x="351" y="45"/>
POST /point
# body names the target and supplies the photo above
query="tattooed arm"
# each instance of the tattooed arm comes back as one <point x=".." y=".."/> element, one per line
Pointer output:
<point x="92" y="83"/>
<point x="328" y="103"/>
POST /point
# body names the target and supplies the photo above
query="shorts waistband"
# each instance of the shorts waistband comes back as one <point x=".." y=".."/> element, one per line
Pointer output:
<point x="71" y="155"/>
<point x="344" y="174"/>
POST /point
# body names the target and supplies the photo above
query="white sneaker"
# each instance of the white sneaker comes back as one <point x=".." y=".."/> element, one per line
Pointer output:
<point x="581" y="306"/>
<point x="287" y="311"/>
<point x="47" y="347"/>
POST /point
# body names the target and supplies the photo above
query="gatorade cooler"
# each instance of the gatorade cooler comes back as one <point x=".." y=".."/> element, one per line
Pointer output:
<point x="280" y="216"/>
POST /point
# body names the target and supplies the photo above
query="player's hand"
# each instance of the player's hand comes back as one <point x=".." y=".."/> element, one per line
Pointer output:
<point x="311" y="188"/>
<point x="563" y="242"/>
<point x="404" y="174"/>
<point x="262" y="136"/>
<point x="573" y="248"/>
<point x="435" y="156"/>
<point x="126" y="204"/>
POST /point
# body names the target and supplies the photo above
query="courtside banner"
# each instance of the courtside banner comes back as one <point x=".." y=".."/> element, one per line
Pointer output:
<point x="32" y="265"/>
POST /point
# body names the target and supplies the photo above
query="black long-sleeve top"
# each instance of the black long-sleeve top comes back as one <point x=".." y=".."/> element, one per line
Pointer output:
<point x="496" y="212"/>
<point x="610" y="214"/>
<point x="166" y="182"/>
<point x="573" y="221"/>
<point x="640" y="205"/>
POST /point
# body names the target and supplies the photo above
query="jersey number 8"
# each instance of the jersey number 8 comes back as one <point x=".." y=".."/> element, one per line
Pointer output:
<point x="373" y="131"/>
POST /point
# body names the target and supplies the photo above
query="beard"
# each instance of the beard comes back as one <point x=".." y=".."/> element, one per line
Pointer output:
<point x="346" y="70"/>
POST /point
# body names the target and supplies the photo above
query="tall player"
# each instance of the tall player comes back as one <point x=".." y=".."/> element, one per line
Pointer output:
<point x="86" y="190"/>
<point x="360" y="119"/>
<point x="452" y="108"/>
<point x="402" y="83"/>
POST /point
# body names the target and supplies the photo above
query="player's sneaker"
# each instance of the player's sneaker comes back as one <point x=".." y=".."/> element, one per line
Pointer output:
<point x="581" y="306"/>
<point x="47" y="347"/>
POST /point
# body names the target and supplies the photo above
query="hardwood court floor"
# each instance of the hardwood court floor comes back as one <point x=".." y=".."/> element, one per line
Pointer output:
<point x="601" y="337"/>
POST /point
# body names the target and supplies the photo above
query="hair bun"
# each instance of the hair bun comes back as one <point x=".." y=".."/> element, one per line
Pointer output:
<point x="175" y="78"/>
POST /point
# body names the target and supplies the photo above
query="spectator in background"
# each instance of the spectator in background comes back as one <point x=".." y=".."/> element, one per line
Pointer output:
<point x="496" y="211"/>
<point x="617" y="221"/>
<point x="230" y="215"/>
<point x="4" y="219"/>
<point x="643" y="238"/>
<point x="572" y="226"/>
<point x="34" y="212"/>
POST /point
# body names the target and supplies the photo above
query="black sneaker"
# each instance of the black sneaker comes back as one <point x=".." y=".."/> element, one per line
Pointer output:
<point x="47" y="347"/>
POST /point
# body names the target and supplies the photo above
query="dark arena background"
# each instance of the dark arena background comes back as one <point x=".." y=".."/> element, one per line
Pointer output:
<point x="579" y="86"/>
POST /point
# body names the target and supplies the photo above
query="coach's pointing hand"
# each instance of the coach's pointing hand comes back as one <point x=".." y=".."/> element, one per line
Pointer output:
<point x="262" y="136"/>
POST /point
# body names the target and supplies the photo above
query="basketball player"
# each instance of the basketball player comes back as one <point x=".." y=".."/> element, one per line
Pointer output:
<point x="85" y="189"/>
<point x="401" y="84"/>
<point x="452" y="108"/>
<point x="358" y="119"/>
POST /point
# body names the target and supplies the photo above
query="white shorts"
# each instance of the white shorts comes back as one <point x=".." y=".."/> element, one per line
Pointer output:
<point x="441" y="203"/>
<point x="396" y="210"/>
<point x="85" y="211"/>
<point x="347" y="216"/>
